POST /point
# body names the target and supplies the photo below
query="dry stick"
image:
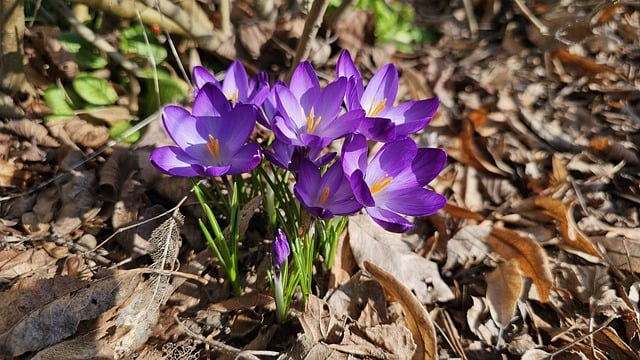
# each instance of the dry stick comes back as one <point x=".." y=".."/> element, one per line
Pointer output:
<point x="582" y="338"/>
<point x="94" y="39"/>
<point x="542" y="28"/>
<point x="471" y="17"/>
<point x="311" y="26"/>
<point x="195" y="22"/>
<point x="238" y="353"/>
<point x="126" y="9"/>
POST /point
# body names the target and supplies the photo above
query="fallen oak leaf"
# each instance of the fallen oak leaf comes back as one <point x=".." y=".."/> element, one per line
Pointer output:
<point x="418" y="320"/>
<point x="528" y="254"/>
<point x="573" y="240"/>
<point x="504" y="285"/>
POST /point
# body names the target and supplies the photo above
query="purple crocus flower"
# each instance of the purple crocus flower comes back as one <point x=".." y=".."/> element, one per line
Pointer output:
<point x="383" y="121"/>
<point x="325" y="195"/>
<point x="392" y="183"/>
<point x="211" y="140"/>
<point x="280" y="251"/>
<point x="290" y="157"/>
<point x="236" y="87"/>
<point x="308" y="115"/>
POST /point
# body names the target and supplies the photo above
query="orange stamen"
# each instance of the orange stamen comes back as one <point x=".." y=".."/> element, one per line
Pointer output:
<point x="312" y="121"/>
<point x="234" y="97"/>
<point x="374" y="111"/>
<point x="214" y="147"/>
<point x="324" y="195"/>
<point x="381" y="183"/>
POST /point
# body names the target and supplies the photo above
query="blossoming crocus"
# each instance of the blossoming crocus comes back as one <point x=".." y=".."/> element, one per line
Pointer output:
<point x="211" y="140"/>
<point x="290" y="157"/>
<point x="280" y="251"/>
<point x="384" y="121"/>
<point x="325" y="195"/>
<point x="236" y="87"/>
<point x="279" y="255"/>
<point x="392" y="183"/>
<point x="310" y="116"/>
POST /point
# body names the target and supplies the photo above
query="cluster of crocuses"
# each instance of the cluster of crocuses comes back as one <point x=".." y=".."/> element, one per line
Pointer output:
<point x="305" y="119"/>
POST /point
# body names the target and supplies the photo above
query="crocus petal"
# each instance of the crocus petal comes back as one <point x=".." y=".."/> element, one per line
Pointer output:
<point x="236" y="126"/>
<point x="361" y="189"/>
<point x="235" y="80"/>
<point x="172" y="160"/>
<point x="217" y="170"/>
<point x="389" y="220"/>
<point x="377" y="129"/>
<point x="314" y="141"/>
<point x="285" y="131"/>
<point x="345" y="65"/>
<point x="290" y="108"/>
<point x="413" y="201"/>
<point x="383" y="86"/>
<point x="392" y="158"/>
<point x="411" y="116"/>
<point x="202" y="76"/>
<point x="246" y="159"/>
<point x="258" y="88"/>
<point x="354" y="154"/>
<point x="180" y="126"/>
<point x="305" y="84"/>
<point x="210" y="101"/>
<point x="427" y="164"/>
<point x="328" y="104"/>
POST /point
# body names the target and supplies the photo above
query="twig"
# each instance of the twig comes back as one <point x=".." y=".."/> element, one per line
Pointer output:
<point x="542" y="28"/>
<point x="225" y="17"/>
<point x="238" y="353"/>
<point x="471" y="18"/>
<point x="311" y="26"/>
<point x="128" y="9"/>
<point x="94" y="39"/>
<point x="582" y="338"/>
<point x="195" y="22"/>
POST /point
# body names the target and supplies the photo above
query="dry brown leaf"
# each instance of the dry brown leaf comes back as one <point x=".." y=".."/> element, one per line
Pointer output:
<point x="352" y="298"/>
<point x="78" y="202"/>
<point x="418" y="320"/>
<point x="15" y="263"/>
<point x="307" y="349"/>
<point x="11" y="174"/>
<point x="621" y="252"/>
<point x="372" y="243"/>
<point x="109" y="114"/>
<point x="529" y="255"/>
<point x="31" y="130"/>
<point x="574" y="240"/>
<point x="319" y="322"/>
<point x="468" y="246"/>
<point x="469" y="152"/>
<point x="391" y="341"/>
<point x="504" y="285"/>
<point x="463" y="213"/>
<point x="86" y="134"/>
<point x="59" y="318"/>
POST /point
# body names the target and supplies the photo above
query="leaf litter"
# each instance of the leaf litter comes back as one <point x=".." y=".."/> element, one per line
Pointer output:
<point x="536" y="254"/>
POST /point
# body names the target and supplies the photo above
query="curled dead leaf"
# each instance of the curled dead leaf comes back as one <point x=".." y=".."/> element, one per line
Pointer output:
<point x="527" y="253"/>
<point x="573" y="240"/>
<point x="85" y="133"/>
<point x="31" y="130"/>
<point x="418" y="319"/>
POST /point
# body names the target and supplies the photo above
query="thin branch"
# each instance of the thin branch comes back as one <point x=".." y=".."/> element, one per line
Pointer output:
<point x="128" y="9"/>
<point x="94" y="39"/>
<point x="542" y="28"/>
<point x="311" y="26"/>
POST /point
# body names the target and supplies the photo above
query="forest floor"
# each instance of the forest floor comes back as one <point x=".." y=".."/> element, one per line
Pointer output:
<point x="536" y="255"/>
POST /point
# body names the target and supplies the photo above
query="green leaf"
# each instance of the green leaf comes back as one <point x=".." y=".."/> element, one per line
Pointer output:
<point x="118" y="129"/>
<point x="57" y="101"/>
<point x="94" y="90"/>
<point x="172" y="90"/>
<point x="132" y="41"/>
<point x="87" y="55"/>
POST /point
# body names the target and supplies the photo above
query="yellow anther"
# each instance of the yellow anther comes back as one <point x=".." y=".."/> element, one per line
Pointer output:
<point x="381" y="183"/>
<point x="234" y="97"/>
<point x="324" y="195"/>
<point x="312" y="121"/>
<point x="374" y="111"/>
<point x="214" y="147"/>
